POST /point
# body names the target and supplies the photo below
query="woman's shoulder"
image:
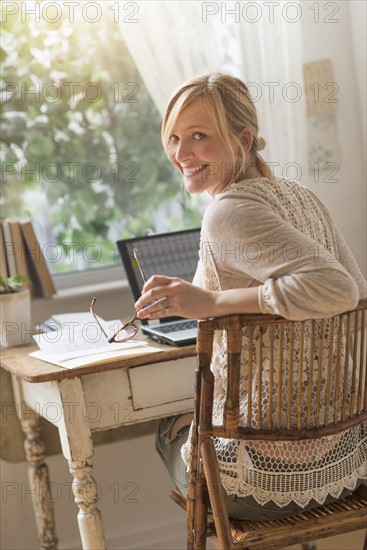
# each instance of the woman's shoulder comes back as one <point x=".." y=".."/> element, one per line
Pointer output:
<point x="241" y="203"/>
<point x="269" y="193"/>
<point x="257" y="186"/>
<point x="249" y="200"/>
<point x="278" y="193"/>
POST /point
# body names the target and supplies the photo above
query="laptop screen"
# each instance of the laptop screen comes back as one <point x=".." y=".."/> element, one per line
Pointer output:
<point x="173" y="254"/>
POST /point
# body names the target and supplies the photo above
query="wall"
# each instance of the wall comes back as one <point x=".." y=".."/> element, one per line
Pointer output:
<point x="153" y="521"/>
<point x="346" y="199"/>
<point x="358" y="14"/>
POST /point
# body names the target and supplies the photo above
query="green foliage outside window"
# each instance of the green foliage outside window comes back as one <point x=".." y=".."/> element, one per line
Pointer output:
<point x="88" y="138"/>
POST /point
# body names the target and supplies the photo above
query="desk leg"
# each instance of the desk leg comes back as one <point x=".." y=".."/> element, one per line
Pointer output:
<point x="38" y="472"/>
<point x="77" y="447"/>
<point x="86" y="495"/>
<point x="40" y="483"/>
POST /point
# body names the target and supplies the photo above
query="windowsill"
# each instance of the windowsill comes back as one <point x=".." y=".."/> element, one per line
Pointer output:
<point x="89" y="277"/>
<point x="87" y="290"/>
<point x="114" y="300"/>
<point x="81" y="285"/>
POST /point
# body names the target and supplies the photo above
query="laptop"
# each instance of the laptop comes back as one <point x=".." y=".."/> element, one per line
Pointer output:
<point x="173" y="254"/>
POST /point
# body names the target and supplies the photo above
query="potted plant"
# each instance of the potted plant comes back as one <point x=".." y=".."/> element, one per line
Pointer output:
<point x="15" y="308"/>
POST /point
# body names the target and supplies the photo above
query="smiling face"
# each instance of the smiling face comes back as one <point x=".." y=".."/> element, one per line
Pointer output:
<point x="196" y="149"/>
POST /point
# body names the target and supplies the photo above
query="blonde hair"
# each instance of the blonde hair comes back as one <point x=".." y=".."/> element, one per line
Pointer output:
<point x="231" y="109"/>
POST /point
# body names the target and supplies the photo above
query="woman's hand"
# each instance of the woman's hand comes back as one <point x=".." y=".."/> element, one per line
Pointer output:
<point x="174" y="297"/>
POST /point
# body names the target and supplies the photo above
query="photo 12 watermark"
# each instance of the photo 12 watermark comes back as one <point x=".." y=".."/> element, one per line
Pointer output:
<point x="71" y="172"/>
<point x="55" y="11"/>
<point x="269" y="12"/>
<point x="275" y="91"/>
<point x="126" y="492"/>
<point x="267" y="252"/>
<point x="94" y="413"/>
<point x="72" y="92"/>
<point x="318" y="172"/>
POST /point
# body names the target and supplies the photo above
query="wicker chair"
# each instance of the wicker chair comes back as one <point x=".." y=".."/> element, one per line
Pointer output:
<point x="350" y="409"/>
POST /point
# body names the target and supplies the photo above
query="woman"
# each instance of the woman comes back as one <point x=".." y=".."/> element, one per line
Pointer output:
<point x="268" y="245"/>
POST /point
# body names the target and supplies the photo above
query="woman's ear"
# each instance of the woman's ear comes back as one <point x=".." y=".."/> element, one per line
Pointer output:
<point x="246" y="138"/>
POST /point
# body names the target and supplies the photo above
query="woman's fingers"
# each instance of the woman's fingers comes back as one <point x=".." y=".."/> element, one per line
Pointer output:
<point x="158" y="310"/>
<point x="156" y="288"/>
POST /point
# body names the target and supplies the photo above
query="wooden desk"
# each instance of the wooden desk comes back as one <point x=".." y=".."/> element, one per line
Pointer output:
<point x="87" y="399"/>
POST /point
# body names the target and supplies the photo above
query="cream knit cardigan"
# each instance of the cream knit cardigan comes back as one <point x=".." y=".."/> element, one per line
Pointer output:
<point x="278" y="236"/>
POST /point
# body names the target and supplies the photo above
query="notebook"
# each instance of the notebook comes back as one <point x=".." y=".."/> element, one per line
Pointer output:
<point x="173" y="254"/>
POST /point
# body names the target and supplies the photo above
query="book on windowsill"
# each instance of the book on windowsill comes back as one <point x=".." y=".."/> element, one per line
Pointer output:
<point x="9" y="249"/>
<point x="74" y="340"/>
<point x="18" y="251"/>
<point x="4" y="273"/>
<point x="36" y="261"/>
<point x="22" y="255"/>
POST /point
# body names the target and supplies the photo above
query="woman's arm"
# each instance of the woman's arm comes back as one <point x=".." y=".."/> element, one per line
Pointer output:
<point x="297" y="277"/>
<point x="188" y="300"/>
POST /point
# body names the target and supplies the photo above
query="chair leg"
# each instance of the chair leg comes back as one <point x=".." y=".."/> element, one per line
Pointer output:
<point x="196" y="510"/>
<point x="190" y="524"/>
<point x="216" y="494"/>
<point x="201" y="516"/>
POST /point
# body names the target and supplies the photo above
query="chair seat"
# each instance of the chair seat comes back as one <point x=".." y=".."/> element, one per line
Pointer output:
<point x="323" y="521"/>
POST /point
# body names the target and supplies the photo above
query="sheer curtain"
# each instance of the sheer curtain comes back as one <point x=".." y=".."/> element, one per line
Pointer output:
<point x="174" y="41"/>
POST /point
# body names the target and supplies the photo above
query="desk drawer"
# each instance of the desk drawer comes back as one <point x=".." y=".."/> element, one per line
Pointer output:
<point x="162" y="383"/>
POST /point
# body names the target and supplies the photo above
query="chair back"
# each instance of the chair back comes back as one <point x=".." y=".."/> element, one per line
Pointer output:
<point x="311" y="381"/>
<point x="285" y="380"/>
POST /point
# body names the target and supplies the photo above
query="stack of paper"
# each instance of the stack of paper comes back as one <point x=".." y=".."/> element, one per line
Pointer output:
<point x="76" y="340"/>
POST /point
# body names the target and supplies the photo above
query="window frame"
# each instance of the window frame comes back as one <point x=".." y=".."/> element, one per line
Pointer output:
<point x="97" y="276"/>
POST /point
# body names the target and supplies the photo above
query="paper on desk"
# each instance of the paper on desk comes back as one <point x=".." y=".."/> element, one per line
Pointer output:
<point x="97" y="357"/>
<point x="78" y="333"/>
<point x="78" y="341"/>
<point x="70" y="320"/>
<point x="81" y="317"/>
<point x="109" y="348"/>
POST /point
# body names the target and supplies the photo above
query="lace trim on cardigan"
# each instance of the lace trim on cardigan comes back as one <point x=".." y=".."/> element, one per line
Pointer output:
<point x="267" y="479"/>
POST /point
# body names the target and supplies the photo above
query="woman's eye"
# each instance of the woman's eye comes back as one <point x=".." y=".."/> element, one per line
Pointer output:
<point x="173" y="138"/>
<point x="199" y="135"/>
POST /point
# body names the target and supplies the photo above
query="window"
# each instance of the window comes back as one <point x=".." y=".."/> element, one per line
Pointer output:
<point x="81" y="152"/>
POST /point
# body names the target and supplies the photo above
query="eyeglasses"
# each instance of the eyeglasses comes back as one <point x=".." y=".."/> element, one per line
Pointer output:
<point x="130" y="327"/>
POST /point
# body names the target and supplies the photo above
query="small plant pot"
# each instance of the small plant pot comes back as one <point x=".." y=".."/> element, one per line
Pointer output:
<point x="15" y="326"/>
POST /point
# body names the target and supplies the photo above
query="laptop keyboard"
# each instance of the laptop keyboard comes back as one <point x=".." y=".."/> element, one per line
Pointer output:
<point x="176" y="327"/>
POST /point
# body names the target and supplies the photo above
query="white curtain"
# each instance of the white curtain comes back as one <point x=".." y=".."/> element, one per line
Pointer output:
<point x="174" y="41"/>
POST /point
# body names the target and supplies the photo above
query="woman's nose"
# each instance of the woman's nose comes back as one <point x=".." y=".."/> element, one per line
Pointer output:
<point x="183" y="151"/>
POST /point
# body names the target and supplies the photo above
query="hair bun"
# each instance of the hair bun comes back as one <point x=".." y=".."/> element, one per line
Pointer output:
<point x="261" y="143"/>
